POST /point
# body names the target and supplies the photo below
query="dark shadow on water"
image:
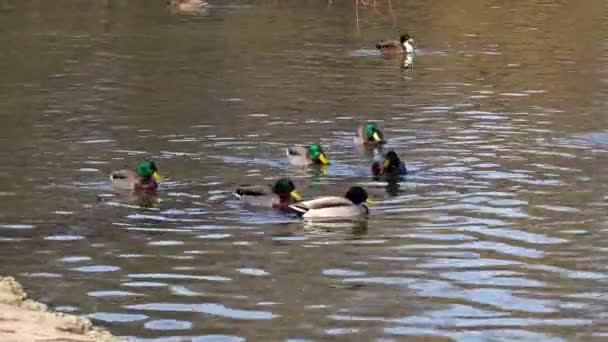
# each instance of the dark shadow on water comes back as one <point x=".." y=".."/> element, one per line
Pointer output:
<point x="147" y="201"/>
<point x="393" y="188"/>
<point x="393" y="184"/>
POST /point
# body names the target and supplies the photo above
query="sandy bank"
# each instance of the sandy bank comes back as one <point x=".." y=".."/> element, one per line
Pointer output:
<point x="22" y="319"/>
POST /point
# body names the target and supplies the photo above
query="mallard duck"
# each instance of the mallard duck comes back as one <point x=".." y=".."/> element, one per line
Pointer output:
<point x="144" y="178"/>
<point x="351" y="205"/>
<point x="370" y="135"/>
<point x="188" y="5"/>
<point x="405" y="45"/>
<point x="306" y="155"/>
<point x="279" y="196"/>
<point x="391" y="166"/>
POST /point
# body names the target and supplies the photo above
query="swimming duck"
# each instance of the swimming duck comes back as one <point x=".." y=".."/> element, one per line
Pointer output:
<point x="405" y="45"/>
<point x="370" y="135"/>
<point x="391" y="166"/>
<point x="306" y="155"/>
<point x="188" y="5"/>
<point x="144" y="178"/>
<point x="349" y="206"/>
<point x="279" y="196"/>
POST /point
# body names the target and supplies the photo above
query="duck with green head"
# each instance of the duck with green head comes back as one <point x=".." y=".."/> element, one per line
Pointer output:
<point x="278" y="196"/>
<point x="144" y="178"/>
<point x="369" y="134"/>
<point x="306" y="155"/>
<point x="352" y="205"/>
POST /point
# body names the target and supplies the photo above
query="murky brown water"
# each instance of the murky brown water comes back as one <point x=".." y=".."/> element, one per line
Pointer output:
<point x="499" y="233"/>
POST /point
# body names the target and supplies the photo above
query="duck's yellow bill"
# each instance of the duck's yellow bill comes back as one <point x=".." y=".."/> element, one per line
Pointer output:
<point x="376" y="137"/>
<point x="156" y="176"/>
<point x="323" y="159"/>
<point x="386" y="163"/>
<point x="370" y="201"/>
<point x="295" y="195"/>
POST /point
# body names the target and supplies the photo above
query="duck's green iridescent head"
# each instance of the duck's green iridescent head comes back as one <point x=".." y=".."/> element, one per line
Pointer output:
<point x="316" y="154"/>
<point x="372" y="133"/>
<point x="147" y="169"/>
<point x="285" y="187"/>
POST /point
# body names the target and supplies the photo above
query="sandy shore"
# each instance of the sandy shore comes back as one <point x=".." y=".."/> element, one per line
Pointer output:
<point x="22" y="319"/>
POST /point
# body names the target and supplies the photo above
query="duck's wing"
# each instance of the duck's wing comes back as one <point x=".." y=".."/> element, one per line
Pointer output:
<point x="388" y="44"/>
<point x="124" y="179"/>
<point x="324" y="202"/>
<point x="255" y="195"/>
<point x="123" y="174"/>
<point x="252" y="190"/>
<point x="328" y="207"/>
<point x="360" y="138"/>
<point x="297" y="155"/>
<point x="295" y="151"/>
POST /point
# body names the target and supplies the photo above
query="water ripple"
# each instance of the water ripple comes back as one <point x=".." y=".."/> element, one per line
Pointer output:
<point x="208" y="308"/>
<point x="177" y="276"/>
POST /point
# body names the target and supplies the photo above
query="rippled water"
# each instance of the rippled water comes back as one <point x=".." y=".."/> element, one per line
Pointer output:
<point x="498" y="233"/>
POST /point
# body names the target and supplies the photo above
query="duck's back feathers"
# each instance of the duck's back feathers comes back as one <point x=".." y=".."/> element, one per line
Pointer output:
<point x="297" y="151"/>
<point x="389" y="45"/>
<point x="262" y="201"/>
<point x="324" y="202"/>
<point x="328" y="207"/>
<point x="255" y="195"/>
<point x="360" y="138"/>
<point x="189" y="5"/>
<point x="252" y="190"/>
<point x="298" y="156"/>
<point x="124" y="179"/>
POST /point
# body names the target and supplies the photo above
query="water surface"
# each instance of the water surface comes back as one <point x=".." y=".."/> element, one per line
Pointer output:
<point x="498" y="233"/>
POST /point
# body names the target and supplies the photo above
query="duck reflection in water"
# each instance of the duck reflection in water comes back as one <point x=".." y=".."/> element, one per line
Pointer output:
<point x="357" y="227"/>
<point x="144" y="200"/>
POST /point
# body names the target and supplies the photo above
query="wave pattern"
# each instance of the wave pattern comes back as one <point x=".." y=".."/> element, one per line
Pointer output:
<point x="497" y="233"/>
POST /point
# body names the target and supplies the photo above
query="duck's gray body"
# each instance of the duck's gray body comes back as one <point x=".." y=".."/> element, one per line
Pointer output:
<point x="329" y="207"/>
<point x="298" y="156"/>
